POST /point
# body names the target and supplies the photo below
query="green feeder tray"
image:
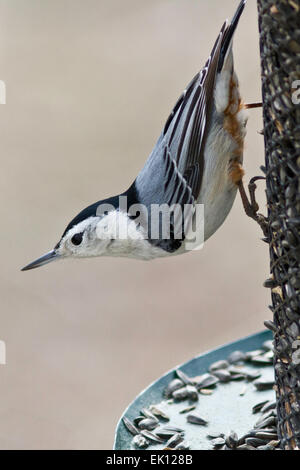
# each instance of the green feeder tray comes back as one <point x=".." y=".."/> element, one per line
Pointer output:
<point x="227" y="408"/>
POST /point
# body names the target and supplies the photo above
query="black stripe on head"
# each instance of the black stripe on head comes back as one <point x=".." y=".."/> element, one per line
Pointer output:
<point x="93" y="209"/>
<point x="89" y="211"/>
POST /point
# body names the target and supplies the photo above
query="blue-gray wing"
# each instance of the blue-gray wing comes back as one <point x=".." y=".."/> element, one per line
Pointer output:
<point x="174" y="170"/>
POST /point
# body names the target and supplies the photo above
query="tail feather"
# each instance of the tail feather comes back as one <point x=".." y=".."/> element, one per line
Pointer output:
<point x="227" y="41"/>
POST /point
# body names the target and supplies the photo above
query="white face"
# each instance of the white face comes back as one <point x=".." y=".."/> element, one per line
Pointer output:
<point x="114" y="234"/>
<point x="88" y="238"/>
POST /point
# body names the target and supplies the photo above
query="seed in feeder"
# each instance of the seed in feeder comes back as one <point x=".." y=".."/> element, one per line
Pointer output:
<point x="148" y="424"/>
<point x="259" y="406"/>
<point x="251" y="354"/>
<point x="263" y="360"/>
<point x="194" y="418"/>
<point x="269" y="355"/>
<point x="236" y="370"/>
<point x="223" y="375"/>
<point x="274" y="443"/>
<point x="252" y="375"/>
<point x="265" y="447"/>
<point x="140" y="441"/>
<point x="296" y="407"/>
<point x="188" y="409"/>
<point x="236" y="356"/>
<point x="261" y="384"/>
<point x="264" y="417"/>
<point x="151" y="436"/>
<point x="206" y="391"/>
<point x="174" y="428"/>
<point x="192" y="392"/>
<point x="218" y="366"/>
<point x="293" y="330"/>
<point x="267" y="422"/>
<point x="255" y="441"/>
<point x="173" y="385"/>
<point x="245" y="447"/>
<point x="268" y="345"/>
<point x="243" y="391"/>
<point x="232" y="440"/>
<point x="237" y="377"/>
<point x="138" y="419"/>
<point x="270" y="405"/>
<point x="183" y="446"/>
<point x="148" y="414"/>
<point x="205" y="381"/>
<point x="169" y="430"/>
<point x="180" y="394"/>
<point x="130" y="426"/>
<point x="163" y="434"/>
<point x="267" y="436"/>
<point x="219" y="442"/>
<point x="174" y="441"/>
<point x="215" y="435"/>
<point x="242" y="440"/>
<point x="183" y="377"/>
<point x="271" y="326"/>
<point x="159" y="413"/>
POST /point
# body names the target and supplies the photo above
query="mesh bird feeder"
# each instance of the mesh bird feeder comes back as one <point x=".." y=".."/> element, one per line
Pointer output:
<point x="279" y="24"/>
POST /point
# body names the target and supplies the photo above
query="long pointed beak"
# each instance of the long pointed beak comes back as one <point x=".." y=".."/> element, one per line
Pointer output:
<point x="45" y="259"/>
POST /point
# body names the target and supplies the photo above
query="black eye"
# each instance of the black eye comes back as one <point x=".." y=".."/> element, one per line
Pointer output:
<point x="77" y="238"/>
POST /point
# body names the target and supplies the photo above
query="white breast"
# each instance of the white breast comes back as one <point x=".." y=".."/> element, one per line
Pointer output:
<point x="127" y="239"/>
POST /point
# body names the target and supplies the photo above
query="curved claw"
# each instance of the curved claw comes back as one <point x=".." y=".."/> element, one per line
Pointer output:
<point x="256" y="178"/>
<point x="251" y="207"/>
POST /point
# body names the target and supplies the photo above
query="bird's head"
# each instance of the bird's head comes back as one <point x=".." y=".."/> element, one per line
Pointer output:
<point x="91" y="233"/>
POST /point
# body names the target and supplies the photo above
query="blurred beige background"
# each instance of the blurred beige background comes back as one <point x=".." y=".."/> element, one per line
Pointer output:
<point x="89" y="87"/>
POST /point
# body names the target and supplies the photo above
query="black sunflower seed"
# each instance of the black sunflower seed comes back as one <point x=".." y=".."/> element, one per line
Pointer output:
<point x="172" y="386"/>
<point x="148" y="424"/>
<point x="130" y="426"/>
<point x="151" y="436"/>
<point x="264" y="384"/>
<point x="174" y="441"/>
<point x="183" y="377"/>
<point x="194" y="418"/>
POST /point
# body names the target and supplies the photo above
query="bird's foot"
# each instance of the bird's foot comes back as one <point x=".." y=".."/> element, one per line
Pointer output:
<point x="251" y="207"/>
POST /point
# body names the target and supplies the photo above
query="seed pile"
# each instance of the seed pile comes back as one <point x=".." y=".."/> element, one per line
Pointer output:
<point x="263" y="436"/>
<point x="153" y="425"/>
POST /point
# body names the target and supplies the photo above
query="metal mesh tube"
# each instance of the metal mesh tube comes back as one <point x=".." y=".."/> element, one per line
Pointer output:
<point x="279" y="23"/>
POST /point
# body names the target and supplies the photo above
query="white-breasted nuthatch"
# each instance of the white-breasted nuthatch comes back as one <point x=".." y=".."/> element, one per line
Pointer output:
<point x="197" y="160"/>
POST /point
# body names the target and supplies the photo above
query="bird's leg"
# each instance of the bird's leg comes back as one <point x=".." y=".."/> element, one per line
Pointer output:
<point x="251" y="207"/>
<point x="253" y="105"/>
